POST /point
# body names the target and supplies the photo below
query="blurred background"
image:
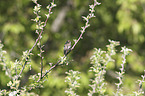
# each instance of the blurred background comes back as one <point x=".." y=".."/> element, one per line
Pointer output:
<point x="120" y="20"/>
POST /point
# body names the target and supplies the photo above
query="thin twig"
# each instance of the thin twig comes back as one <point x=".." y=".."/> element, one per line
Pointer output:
<point x="41" y="62"/>
<point x="54" y="66"/>
<point x="49" y="12"/>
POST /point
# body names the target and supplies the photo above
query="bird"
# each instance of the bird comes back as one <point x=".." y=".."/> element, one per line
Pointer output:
<point x="67" y="47"/>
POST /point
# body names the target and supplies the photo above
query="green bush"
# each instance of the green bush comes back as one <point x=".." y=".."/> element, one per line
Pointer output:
<point x="16" y="74"/>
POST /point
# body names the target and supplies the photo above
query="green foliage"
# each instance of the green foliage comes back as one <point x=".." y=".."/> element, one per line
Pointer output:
<point x="29" y="72"/>
<point x="129" y="22"/>
<point x="72" y="80"/>
<point x="120" y="74"/>
<point x="100" y="59"/>
<point x="140" y="91"/>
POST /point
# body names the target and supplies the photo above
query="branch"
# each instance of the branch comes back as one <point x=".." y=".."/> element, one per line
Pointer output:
<point x="42" y="29"/>
<point x="91" y="14"/>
